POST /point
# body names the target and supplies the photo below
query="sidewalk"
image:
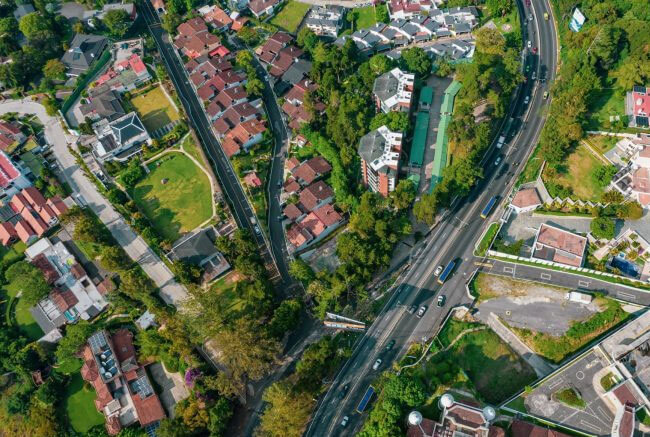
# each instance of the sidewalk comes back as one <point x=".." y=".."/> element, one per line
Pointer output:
<point x="170" y="291"/>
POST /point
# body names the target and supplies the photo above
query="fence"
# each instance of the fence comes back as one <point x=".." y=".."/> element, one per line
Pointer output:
<point x="81" y="85"/>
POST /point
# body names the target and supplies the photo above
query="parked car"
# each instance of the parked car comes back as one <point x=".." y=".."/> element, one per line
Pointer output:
<point x="438" y="270"/>
<point x="441" y="300"/>
<point x="530" y="17"/>
<point x="345" y="421"/>
<point x="411" y="309"/>
<point x="421" y="311"/>
<point x="534" y="76"/>
<point x="545" y="95"/>
<point x="530" y="44"/>
<point x="377" y="364"/>
<point x="534" y="50"/>
<point x="498" y="161"/>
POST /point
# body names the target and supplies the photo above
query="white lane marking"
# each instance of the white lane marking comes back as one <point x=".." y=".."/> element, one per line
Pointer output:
<point x="626" y="295"/>
<point x="583" y="283"/>
<point x="545" y="276"/>
<point x="508" y="270"/>
<point x="580" y="375"/>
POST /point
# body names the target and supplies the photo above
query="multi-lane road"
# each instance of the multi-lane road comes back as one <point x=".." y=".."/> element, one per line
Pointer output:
<point x="453" y="239"/>
<point x="242" y="209"/>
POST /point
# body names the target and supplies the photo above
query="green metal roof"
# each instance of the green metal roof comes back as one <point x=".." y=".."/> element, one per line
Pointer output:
<point x="426" y="95"/>
<point x="440" y="157"/>
<point x="419" y="139"/>
<point x="447" y="106"/>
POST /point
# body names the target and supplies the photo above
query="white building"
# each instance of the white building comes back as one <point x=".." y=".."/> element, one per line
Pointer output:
<point x="121" y="138"/>
<point x="380" y="152"/>
<point x="325" y="20"/>
<point x="393" y="91"/>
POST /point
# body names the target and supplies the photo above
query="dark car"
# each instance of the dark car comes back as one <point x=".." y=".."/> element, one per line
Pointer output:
<point x="390" y="345"/>
<point x="412" y="309"/>
<point x="344" y="391"/>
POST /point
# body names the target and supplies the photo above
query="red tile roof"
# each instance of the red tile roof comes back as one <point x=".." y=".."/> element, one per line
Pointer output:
<point x="8" y="172"/>
<point x="77" y="271"/>
<point x="123" y="345"/>
<point x="313" y="224"/>
<point x="311" y="169"/>
<point x="525" y="429"/>
<point x="562" y="240"/>
<point x="57" y="205"/>
<point x="47" y="214"/>
<point x="328" y="215"/>
<point x="292" y="212"/>
<point x="298" y="236"/>
<point x="34" y="220"/>
<point x="7" y="233"/>
<point x="190" y="27"/>
<point x="259" y="6"/>
<point x="526" y="197"/>
<point x="8" y="128"/>
<point x="314" y="194"/>
<point x="292" y="163"/>
<point x="253" y="180"/>
<point x="24" y="231"/>
<point x="63" y="299"/>
<point x="44" y="265"/>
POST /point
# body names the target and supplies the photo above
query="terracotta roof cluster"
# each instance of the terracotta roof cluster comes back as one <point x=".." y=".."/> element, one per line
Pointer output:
<point x="8" y="171"/>
<point x="194" y="39"/>
<point x="225" y="99"/>
<point x="308" y="171"/>
<point x="203" y="68"/>
<point x="558" y="245"/>
<point x="294" y="105"/>
<point x="219" y="82"/>
<point x="520" y="428"/>
<point x="133" y="63"/>
<point x="50" y="273"/>
<point x="235" y="115"/>
<point x="10" y="134"/>
<point x="260" y="7"/>
<point x="242" y="135"/>
<point x="217" y="17"/>
<point x="252" y="180"/>
<point x="130" y="378"/>
<point x="36" y="215"/>
<point x="279" y="53"/>
<point x="313" y="225"/>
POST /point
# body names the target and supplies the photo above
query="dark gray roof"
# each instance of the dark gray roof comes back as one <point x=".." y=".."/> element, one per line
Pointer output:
<point x="371" y="146"/>
<point x="106" y="104"/>
<point x="390" y="33"/>
<point x="84" y="49"/>
<point x="197" y="248"/>
<point x="462" y="28"/>
<point x="108" y="143"/>
<point x="443" y="32"/>
<point x="411" y="29"/>
<point x="22" y="10"/>
<point x="43" y="321"/>
<point x="385" y="86"/>
<point x="297" y="72"/>
<point x="127" y="127"/>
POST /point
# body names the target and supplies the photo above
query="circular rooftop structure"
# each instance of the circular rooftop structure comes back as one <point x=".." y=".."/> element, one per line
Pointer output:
<point x="447" y="400"/>
<point x="415" y="418"/>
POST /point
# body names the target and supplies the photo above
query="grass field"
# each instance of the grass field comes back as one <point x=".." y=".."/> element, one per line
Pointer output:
<point x="18" y="312"/>
<point x="290" y="16"/>
<point x="192" y="149"/>
<point x="605" y="103"/>
<point x="496" y="371"/>
<point x="602" y="143"/>
<point x="531" y="170"/>
<point x="487" y="239"/>
<point x="577" y="174"/>
<point x="179" y="205"/>
<point x="80" y="406"/>
<point x="225" y="286"/>
<point x="155" y="109"/>
<point x="363" y="17"/>
<point x="13" y="253"/>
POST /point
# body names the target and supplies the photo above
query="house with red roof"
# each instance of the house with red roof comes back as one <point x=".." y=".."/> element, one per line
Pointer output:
<point x="526" y="199"/>
<point x="10" y="135"/>
<point x="202" y="69"/>
<point x="125" y="75"/>
<point x="8" y="234"/>
<point x="253" y="180"/>
<point x="298" y="237"/>
<point x="224" y="100"/>
<point x="637" y="107"/>
<point x="194" y="39"/>
<point x="24" y="231"/>
<point x="12" y="177"/>
<point x="560" y="246"/>
<point x="215" y="17"/>
<point x="315" y="195"/>
<point x="243" y="136"/>
<point x="260" y="8"/>
<point x="235" y="115"/>
<point x="159" y="6"/>
<point x="125" y="394"/>
<point x="311" y="169"/>
<point x="312" y="227"/>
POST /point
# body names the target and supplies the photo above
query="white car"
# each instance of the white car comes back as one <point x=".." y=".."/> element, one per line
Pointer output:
<point x="421" y="311"/>
<point x="438" y="270"/>
<point x="498" y="161"/>
<point x="377" y="364"/>
<point x="530" y="17"/>
<point x="345" y="421"/>
<point x="526" y="100"/>
<point x="530" y="44"/>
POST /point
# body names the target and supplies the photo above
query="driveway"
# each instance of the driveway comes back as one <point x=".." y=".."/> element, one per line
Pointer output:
<point x="170" y="291"/>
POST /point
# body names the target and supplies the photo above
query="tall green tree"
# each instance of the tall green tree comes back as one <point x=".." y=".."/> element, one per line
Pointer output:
<point x="117" y="21"/>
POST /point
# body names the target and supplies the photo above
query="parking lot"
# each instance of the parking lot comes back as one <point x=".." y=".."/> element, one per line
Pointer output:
<point x="596" y="418"/>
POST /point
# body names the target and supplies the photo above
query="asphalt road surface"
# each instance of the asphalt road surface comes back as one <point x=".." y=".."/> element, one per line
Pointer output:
<point x="242" y="210"/>
<point x="453" y="239"/>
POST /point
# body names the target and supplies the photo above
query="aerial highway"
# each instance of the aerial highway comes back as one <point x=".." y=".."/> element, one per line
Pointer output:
<point x="453" y="238"/>
<point x="241" y="207"/>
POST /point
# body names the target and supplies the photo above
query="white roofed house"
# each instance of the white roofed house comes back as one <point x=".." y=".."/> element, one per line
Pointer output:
<point x="73" y="296"/>
<point x="380" y="152"/>
<point x="121" y="138"/>
<point x="393" y="91"/>
<point x="325" y="20"/>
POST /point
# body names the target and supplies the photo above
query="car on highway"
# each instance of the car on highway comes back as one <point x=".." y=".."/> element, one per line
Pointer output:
<point x="438" y="270"/>
<point x="534" y="76"/>
<point x="530" y="17"/>
<point x="377" y="364"/>
<point x="498" y="161"/>
<point x="529" y="44"/>
<point x="257" y="230"/>
<point x="546" y="16"/>
<point x="390" y="345"/>
<point x="534" y="50"/>
<point x="545" y="95"/>
<point x="421" y="311"/>
<point x="441" y="300"/>
<point x="344" y="391"/>
<point x="411" y="309"/>
<point x="526" y="100"/>
<point x="345" y="421"/>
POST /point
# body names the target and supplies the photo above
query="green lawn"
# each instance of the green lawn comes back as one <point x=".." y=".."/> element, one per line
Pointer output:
<point x="181" y="204"/>
<point x="155" y="109"/>
<point x="603" y="104"/>
<point x="531" y="170"/>
<point x="13" y="253"/>
<point x="363" y="17"/>
<point x="290" y="16"/>
<point x="225" y="286"/>
<point x="602" y="143"/>
<point x="80" y="406"/>
<point x="491" y="232"/>
<point x="193" y="149"/>
<point x="576" y="174"/>
<point x="496" y="371"/>
<point x="17" y="311"/>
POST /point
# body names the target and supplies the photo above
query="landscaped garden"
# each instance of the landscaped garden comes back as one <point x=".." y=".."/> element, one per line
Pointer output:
<point x="17" y="312"/>
<point x="175" y="195"/>
<point x="607" y="103"/>
<point x="570" y="397"/>
<point x="290" y="16"/>
<point x="496" y="371"/>
<point x="80" y="406"/>
<point x="155" y="109"/>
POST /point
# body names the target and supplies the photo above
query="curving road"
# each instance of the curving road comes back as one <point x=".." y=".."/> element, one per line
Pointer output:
<point x="171" y="291"/>
<point x="242" y="209"/>
<point x="454" y="238"/>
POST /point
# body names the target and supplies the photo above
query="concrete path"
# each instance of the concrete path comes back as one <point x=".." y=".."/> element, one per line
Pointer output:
<point x="541" y="366"/>
<point x="171" y="291"/>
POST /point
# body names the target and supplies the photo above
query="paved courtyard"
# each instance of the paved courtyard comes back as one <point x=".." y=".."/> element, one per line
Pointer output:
<point x="524" y="226"/>
<point x="596" y="418"/>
